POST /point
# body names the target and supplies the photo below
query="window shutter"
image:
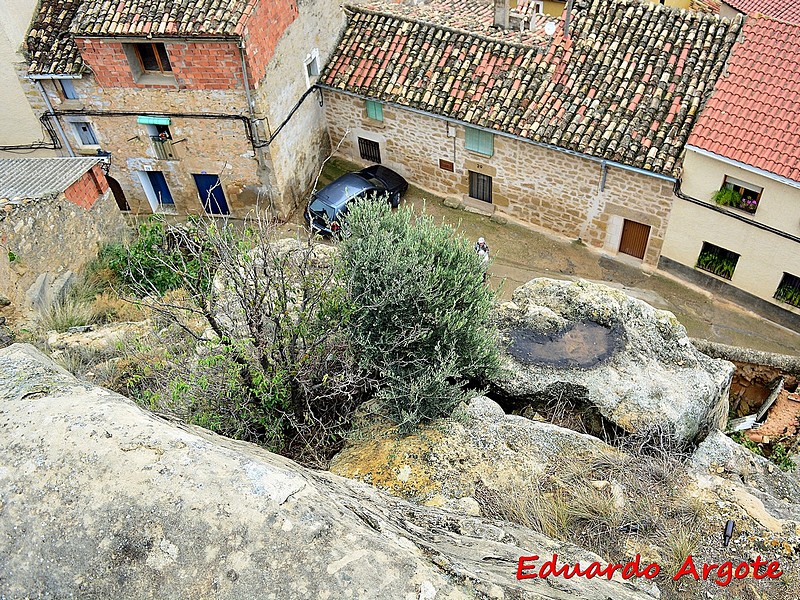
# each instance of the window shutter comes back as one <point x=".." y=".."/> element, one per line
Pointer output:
<point x="479" y="141"/>
<point x="374" y="110"/>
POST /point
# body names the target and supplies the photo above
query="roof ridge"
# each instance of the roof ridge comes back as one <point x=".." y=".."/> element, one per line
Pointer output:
<point x="485" y="38"/>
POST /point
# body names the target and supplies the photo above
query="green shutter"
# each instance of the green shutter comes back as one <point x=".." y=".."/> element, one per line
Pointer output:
<point x="479" y="141"/>
<point x="374" y="110"/>
<point x="153" y="120"/>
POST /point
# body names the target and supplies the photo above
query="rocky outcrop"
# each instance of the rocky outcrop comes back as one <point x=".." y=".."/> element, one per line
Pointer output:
<point x="483" y="448"/>
<point x="591" y="345"/>
<point x="99" y="499"/>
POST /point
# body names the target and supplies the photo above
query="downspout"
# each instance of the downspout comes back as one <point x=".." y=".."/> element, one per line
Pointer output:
<point x="253" y="126"/>
<point x="49" y="106"/>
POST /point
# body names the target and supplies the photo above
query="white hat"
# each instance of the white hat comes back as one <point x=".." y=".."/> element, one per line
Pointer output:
<point x="481" y="240"/>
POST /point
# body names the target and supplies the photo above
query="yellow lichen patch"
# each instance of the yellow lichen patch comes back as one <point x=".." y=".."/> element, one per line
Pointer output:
<point x="392" y="463"/>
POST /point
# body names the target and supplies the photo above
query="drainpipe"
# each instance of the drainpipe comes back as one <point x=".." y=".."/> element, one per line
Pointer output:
<point x="253" y="125"/>
<point x="49" y="106"/>
<point x="603" y="173"/>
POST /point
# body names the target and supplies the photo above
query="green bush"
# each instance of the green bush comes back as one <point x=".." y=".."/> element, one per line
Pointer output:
<point x="727" y="197"/>
<point x="156" y="263"/>
<point x="420" y="321"/>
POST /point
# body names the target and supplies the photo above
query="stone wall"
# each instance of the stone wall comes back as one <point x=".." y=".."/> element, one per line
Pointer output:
<point x="217" y="146"/>
<point x="43" y="241"/>
<point x="533" y="184"/>
<point x="300" y="147"/>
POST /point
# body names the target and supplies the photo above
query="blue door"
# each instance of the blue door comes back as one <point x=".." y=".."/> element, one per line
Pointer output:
<point x="160" y="187"/>
<point x="211" y="194"/>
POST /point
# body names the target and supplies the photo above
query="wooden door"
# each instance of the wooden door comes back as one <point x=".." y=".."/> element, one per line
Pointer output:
<point x="634" y="238"/>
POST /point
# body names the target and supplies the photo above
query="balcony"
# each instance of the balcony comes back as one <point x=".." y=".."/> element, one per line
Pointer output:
<point x="163" y="148"/>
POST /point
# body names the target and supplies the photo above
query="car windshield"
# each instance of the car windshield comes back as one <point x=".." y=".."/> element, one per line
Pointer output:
<point x="318" y="207"/>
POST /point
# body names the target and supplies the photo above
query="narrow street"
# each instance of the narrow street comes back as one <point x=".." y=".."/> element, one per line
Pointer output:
<point x="520" y="254"/>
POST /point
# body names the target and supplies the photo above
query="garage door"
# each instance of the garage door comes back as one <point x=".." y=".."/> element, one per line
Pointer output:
<point x="634" y="238"/>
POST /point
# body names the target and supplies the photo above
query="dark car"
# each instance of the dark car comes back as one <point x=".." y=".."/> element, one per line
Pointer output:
<point x="329" y="204"/>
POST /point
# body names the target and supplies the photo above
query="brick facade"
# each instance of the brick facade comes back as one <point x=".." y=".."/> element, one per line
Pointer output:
<point x="88" y="189"/>
<point x="206" y="65"/>
<point x="262" y="31"/>
<point x="532" y="184"/>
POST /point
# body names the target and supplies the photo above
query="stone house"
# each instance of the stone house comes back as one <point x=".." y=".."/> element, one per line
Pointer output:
<point x="582" y="136"/>
<point x="55" y="213"/>
<point x="201" y="106"/>
<point x="735" y="226"/>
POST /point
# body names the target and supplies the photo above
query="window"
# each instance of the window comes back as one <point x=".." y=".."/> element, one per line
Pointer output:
<point x="374" y="110"/>
<point x="85" y="133"/>
<point x="479" y="141"/>
<point x="716" y="260"/>
<point x="738" y="194"/>
<point x="369" y="150"/>
<point x="311" y="63"/>
<point x="152" y="58"/>
<point x="789" y="290"/>
<point x="480" y="186"/>
<point x="161" y="138"/>
<point x="67" y="89"/>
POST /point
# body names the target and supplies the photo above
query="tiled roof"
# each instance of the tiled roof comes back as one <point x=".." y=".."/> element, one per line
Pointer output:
<point x="707" y="6"/>
<point x="51" y="50"/>
<point x="753" y="116"/>
<point x="626" y="86"/>
<point x="32" y="178"/>
<point x="162" y="17"/>
<point x="471" y="15"/>
<point x="787" y="10"/>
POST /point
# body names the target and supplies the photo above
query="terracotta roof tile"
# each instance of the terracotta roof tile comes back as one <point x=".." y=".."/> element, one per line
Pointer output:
<point x="752" y="115"/>
<point x="163" y="18"/>
<point x="51" y="49"/>
<point x="476" y="16"/>
<point x="707" y="6"/>
<point x="787" y="10"/>
<point x="610" y="90"/>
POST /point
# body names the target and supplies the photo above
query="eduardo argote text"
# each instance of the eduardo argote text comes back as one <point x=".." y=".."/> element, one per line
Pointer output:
<point x="530" y="567"/>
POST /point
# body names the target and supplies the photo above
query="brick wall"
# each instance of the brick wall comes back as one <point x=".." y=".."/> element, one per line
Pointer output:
<point x="535" y="185"/>
<point x="201" y="65"/>
<point x="262" y="30"/>
<point x="88" y="189"/>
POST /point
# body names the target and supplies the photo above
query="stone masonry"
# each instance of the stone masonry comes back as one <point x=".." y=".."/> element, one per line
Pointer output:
<point x="46" y="240"/>
<point x="533" y="184"/>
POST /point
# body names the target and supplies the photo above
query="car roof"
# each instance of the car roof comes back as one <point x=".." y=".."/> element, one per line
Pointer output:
<point x="338" y="192"/>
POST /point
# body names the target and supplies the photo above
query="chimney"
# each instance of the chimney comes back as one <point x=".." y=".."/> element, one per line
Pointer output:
<point x="501" y="10"/>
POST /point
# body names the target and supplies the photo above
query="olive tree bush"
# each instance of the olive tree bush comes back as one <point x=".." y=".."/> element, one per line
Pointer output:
<point x="420" y="310"/>
<point x="254" y="331"/>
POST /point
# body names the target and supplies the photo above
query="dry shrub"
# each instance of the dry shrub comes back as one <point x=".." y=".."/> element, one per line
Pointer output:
<point x="110" y="308"/>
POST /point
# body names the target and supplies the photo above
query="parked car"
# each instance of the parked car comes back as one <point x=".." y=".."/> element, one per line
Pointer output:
<point x="329" y="204"/>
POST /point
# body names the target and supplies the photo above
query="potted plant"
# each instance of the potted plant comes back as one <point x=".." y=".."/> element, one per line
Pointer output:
<point x="728" y="197"/>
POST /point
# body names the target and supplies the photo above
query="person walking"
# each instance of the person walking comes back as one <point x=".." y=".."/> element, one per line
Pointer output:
<point x="482" y="249"/>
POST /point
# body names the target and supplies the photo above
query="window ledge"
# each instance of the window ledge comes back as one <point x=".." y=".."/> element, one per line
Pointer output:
<point x="88" y="150"/>
<point x="156" y="79"/>
<point x="478" y="206"/>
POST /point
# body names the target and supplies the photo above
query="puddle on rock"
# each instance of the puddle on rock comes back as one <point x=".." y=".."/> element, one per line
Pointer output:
<point x="583" y="345"/>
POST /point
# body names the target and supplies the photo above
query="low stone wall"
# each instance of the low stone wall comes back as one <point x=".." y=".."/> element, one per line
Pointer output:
<point x="44" y="241"/>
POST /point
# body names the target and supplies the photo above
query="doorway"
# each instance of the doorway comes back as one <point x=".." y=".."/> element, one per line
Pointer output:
<point x="211" y="193"/>
<point x="634" y="238"/>
<point x="156" y="189"/>
<point x="119" y="195"/>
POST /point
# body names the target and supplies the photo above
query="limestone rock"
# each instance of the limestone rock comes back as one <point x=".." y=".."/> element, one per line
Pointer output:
<point x="632" y="362"/>
<point x="485" y="449"/>
<point x="100" y="499"/>
<point x="720" y="462"/>
<point x="97" y="338"/>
